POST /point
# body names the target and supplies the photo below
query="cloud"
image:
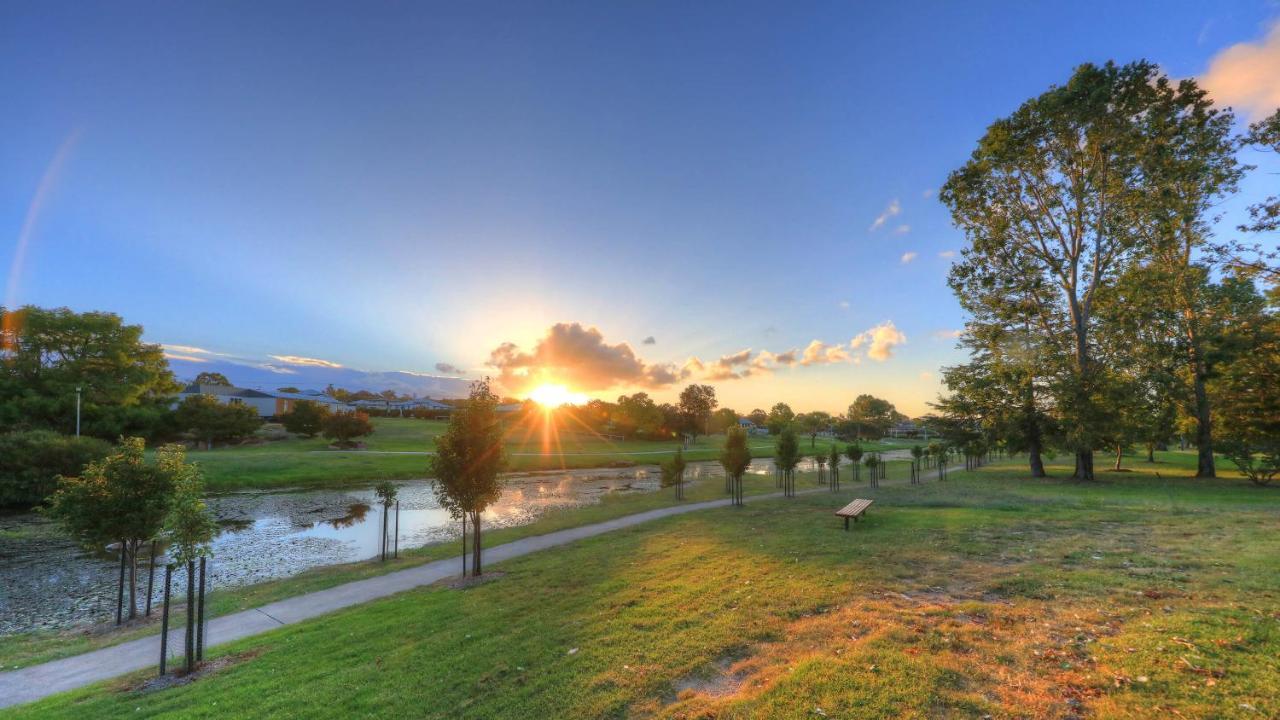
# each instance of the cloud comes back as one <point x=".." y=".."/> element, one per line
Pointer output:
<point x="185" y="349"/>
<point x="926" y="376"/>
<point x="880" y="341"/>
<point x="1247" y="75"/>
<point x="651" y="340"/>
<point x="299" y="360"/>
<point x="893" y="209"/>
<point x="450" y="369"/>
<point x="928" y="193"/>
<point x="947" y="334"/>
<point x="742" y="357"/>
<point x="844" y="304"/>
<point x="948" y="254"/>
<point x="909" y="256"/>
<point x="579" y="357"/>
<point x="902" y="229"/>
<point x="169" y="355"/>
<point x="277" y="369"/>
<point x="820" y="353"/>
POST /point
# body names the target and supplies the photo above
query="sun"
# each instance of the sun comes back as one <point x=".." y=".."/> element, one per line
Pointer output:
<point x="553" y="396"/>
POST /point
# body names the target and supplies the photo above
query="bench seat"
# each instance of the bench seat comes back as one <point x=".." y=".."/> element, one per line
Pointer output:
<point x="853" y="510"/>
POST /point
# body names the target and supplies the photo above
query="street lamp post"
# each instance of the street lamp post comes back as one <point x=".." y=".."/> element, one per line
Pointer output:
<point x="77" y="411"/>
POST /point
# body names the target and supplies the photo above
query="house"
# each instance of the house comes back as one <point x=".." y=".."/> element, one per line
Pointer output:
<point x="406" y="407"/>
<point x="269" y="404"/>
<point x="750" y="427"/>
<point x="908" y="429"/>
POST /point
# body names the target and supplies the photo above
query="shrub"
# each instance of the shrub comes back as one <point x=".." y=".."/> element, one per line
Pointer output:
<point x="344" y="427"/>
<point x="30" y="463"/>
<point x="306" y="418"/>
<point x="209" y="420"/>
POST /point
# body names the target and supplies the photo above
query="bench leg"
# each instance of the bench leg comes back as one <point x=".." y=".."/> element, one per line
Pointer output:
<point x="846" y="524"/>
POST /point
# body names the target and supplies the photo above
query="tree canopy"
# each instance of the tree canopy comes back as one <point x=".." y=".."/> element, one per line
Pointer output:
<point x="125" y="384"/>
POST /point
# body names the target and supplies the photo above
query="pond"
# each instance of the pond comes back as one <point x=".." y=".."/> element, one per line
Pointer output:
<point x="46" y="581"/>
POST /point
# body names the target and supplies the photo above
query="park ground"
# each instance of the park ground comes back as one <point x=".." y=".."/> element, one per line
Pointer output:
<point x="1144" y="594"/>
<point x="397" y="451"/>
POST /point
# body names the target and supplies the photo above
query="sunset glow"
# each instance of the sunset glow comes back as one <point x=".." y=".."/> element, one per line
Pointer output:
<point x="553" y="396"/>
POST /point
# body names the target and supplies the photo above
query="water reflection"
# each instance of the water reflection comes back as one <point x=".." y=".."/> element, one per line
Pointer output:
<point x="47" y="581"/>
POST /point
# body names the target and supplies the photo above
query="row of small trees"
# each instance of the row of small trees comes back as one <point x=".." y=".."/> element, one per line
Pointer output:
<point x="125" y="500"/>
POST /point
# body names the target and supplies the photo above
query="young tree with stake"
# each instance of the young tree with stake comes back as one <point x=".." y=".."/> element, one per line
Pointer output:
<point x="120" y="498"/>
<point x="190" y="528"/>
<point x="735" y="458"/>
<point x="468" y="462"/>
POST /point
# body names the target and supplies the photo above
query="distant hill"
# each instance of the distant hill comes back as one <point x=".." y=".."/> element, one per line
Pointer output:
<point x="317" y="378"/>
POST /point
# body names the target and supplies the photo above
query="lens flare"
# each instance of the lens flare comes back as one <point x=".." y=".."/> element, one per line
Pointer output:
<point x="553" y="396"/>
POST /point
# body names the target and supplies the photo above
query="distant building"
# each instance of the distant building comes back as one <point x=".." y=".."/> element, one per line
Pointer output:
<point x="908" y="429"/>
<point x="269" y="404"/>
<point x="750" y="427"/>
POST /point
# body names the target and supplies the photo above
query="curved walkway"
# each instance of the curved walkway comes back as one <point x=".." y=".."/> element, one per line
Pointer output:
<point x="38" y="681"/>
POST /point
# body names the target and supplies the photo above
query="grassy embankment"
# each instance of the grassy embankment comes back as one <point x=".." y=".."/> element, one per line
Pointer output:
<point x="991" y="594"/>
<point x="23" y="649"/>
<point x="301" y="462"/>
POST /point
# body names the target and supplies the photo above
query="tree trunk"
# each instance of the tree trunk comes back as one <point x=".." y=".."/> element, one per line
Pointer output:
<point x="1151" y="452"/>
<point x="1084" y="465"/>
<point x="1204" y="426"/>
<point x="1119" y="456"/>
<point x="133" y="579"/>
<point x="464" y="544"/>
<point x="1033" y="456"/>
<point x="191" y="616"/>
<point x="475" y="545"/>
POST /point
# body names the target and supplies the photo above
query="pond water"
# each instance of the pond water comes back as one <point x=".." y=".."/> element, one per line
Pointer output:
<point x="46" y="581"/>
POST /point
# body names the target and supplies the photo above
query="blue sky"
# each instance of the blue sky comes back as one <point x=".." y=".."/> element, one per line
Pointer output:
<point x="388" y="186"/>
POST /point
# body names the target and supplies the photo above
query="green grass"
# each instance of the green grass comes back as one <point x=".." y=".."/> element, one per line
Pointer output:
<point x="989" y="594"/>
<point x="301" y="462"/>
<point x="24" y="649"/>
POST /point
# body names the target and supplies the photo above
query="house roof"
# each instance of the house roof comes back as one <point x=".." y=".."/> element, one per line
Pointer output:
<point x="232" y="391"/>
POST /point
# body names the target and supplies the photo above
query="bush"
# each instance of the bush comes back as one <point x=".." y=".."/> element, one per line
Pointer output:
<point x="30" y="463"/>
<point x="344" y="427"/>
<point x="306" y="418"/>
<point x="209" y="420"/>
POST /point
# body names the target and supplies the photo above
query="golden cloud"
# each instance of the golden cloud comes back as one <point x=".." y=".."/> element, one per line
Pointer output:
<point x="1247" y="75"/>
<point x="579" y="357"/>
<point x="880" y="340"/>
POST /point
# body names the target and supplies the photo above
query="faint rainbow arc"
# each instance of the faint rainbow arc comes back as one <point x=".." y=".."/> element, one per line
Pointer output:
<point x="43" y="191"/>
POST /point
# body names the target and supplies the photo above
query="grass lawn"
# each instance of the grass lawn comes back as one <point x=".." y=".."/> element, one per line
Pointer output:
<point x="24" y="649"/>
<point x="990" y="594"/>
<point x="301" y="462"/>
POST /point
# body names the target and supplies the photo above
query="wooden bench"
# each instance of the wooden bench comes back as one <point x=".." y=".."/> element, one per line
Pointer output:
<point x="853" y="510"/>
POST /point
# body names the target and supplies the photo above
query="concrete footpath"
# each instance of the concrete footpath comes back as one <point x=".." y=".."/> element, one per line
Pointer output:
<point x="39" y="681"/>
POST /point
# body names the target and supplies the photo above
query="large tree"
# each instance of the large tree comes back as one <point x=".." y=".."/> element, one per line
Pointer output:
<point x="214" y="378"/>
<point x="696" y="405"/>
<point x="636" y="415"/>
<point x="872" y="416"/>
<point x="45" y="355"/>
<point x="1054" y="199"/>
<point x="468" y="462"/>
<point x="780" y="417"/>
<point x="1187" y="165"/>
<point x="813" y="423"/>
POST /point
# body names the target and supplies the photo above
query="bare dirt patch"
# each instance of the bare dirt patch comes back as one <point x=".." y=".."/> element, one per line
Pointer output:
<point x="176" y="679"/>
